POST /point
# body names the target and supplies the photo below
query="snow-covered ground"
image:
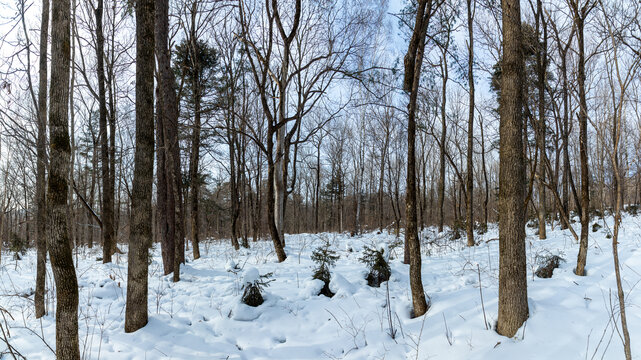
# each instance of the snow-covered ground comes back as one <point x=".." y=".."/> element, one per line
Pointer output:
<point x="201" y="317"/>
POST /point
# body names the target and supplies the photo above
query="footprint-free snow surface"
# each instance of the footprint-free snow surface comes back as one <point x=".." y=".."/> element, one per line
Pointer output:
<point x="201" y="317"/>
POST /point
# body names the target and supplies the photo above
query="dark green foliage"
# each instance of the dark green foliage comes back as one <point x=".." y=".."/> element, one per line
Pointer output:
<point x="547" y="264"/>
<point x="596" y="213"/>
<point x="481" y="228"/>
<point x="379" y="270"/>
<point x="632" y="210"/>
<point x="325" y="258"/>
<point x="397" y="243"/>
<point x="253" y="293"/>
<point x="18" y="245"/>
<point x="457" y="228"/>
<point x="252" y="296"/>
<point x="596" y="227"/>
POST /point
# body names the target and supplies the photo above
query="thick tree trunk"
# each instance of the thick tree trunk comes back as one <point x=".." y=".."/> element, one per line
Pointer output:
<point x="168" y="105"/>
<point x="41" y="165"/>
<point x="279" y="181"/>
<point x="271" y="198"/>
<point x="140" y="234"/>
<point x="513" y="305"/>
<point x="166" y="241"/>
<point x="59" y="148"/>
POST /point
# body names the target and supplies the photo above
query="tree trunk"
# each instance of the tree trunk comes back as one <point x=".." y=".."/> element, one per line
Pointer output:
<point x="279" y="181"/>
<point x="166" y="241"/>
<point x="583" y="149"/>
<point x="271" y="196"/>
<point x="140" y="234"/>
<point x="169" y="110"/>
<point x="565" y="145"/>
<point x="107" y="211"/>
<point x="513" y="305"/>
<point x="233" y="183"/>
<point x="413" y="62"/>
<point x="541" y="58"/>
<point x="486" y="196"/>
<point x="57" y="190"/>
<point x="469" y="223"/>
<point x="441" y="178"/>
<point x="41" y="165"/>
<point x="194" y="171"/>
<point x="317" y="189"/>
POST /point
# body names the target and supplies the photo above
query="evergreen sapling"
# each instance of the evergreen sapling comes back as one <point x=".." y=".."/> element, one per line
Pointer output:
<point x="379" y="270"/>
<point x="253" y="285"/>
<point x="325" y="258"/>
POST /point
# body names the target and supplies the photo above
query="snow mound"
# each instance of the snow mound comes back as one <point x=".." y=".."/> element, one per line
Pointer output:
<point x="341" y="287"/>
<point x="311" y="288"/>
<point x="251" y="275"/>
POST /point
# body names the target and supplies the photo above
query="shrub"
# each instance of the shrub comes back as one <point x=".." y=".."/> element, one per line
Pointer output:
<point x="457" y="228"/>
<point x="18" y="246"/>
<point x="325" y="258"/>
<point x="596" y="227"/>
<point x="547" y="264"/>
<point x="481" y="228"/>
<point x="379" y="270"/>
<point x="632" y="210"/>
<point x="253" y="285"/>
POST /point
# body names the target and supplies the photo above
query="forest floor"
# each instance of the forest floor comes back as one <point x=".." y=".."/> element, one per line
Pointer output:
<point x="201" y="317"/>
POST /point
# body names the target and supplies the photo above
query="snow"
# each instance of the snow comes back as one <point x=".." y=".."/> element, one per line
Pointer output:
<point x="251" y="275"/>
<point x="201" y="317"/>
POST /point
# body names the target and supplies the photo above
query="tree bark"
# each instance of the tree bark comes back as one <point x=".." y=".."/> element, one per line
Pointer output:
<point x="413" y="62"/>
<point x="194" y="173"/>
<point x="140" y="234"/>
<point x="107" y="211"/>
<point x="469" y="206"/>
<point x="513" y="305"/>
<point x="168" y="110"/>
<point x="57" y="190"/>
<point x="541" y="59"/>
<point x="441" y="178"/>
<point x="166" y="241"/>
<point x="579" y="19"/>
<point x="41" y="155"/>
